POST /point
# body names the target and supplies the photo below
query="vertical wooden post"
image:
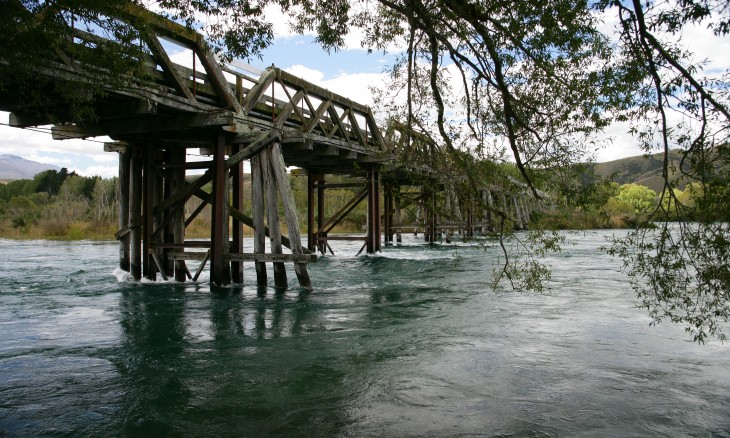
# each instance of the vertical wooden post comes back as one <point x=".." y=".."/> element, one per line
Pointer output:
<point x="178" y="157"/>
<point x="373" y="237"/>
<point x="135" y="212"/>
<point x="322" y="244"/>
<point x="124" y="164"/>
<point x="370" y="242"/>
<point x="159" y="255"/>
<point x="396" y="215"/>
<point x="148" y="181"/>
<point x="378" y="209"/>
<point x="388" y="213"/>
<point x="311" y="238"/>
<point x="432" y="216"/>
<point x="257" y="207"/>
<point x="219" y="245"/>
<point x="237" y="244"/>
<point x="169" y="231"/>
<point x="272" y="214"/>
<point x="290" y="213"/>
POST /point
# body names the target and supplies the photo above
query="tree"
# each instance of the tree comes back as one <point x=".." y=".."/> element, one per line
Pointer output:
<point x="641" y="198"/>
<point x="680" y="271"/>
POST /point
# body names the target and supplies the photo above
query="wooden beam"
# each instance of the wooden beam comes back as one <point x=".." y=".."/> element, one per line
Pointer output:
<point x="336" y="218"/>
<point x="180" y="33"/>
<point x="272" y="214"/>
<point x="237" y="226"/>
<point x="135" y="213"/>
<point x="289" y="108"/>
<point x="177" y="159"/>
<point x="290" y="212"/>
<point x="143" y="125"/>
<point x="215" y="74"/>
<point x="219" y="218"/>
<point x="248" y="257"/>
<point x="148" y="184"/>
<point x="167" y="66"/>
<point x="258" y="211"/>
<point x="181" y="197"/>
<point x="258" y="89"/>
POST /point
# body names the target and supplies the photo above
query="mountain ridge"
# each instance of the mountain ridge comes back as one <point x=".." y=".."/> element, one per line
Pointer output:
<point x="13" y="167"/>
<point x="645" y="170"/>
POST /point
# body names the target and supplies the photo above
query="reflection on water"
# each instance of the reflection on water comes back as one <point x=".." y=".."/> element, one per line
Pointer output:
<point x="411" y="342"/>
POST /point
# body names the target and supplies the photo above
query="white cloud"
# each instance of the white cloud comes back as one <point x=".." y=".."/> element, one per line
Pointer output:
<point x="309" y="74"/>
<point x="36" y="144"/>
<point x="355" y="87"/>
<point x="102" y="171"/>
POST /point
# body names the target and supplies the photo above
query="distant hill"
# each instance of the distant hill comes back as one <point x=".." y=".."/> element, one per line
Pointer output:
<point x="643" y="169"/>
<point x="13" y="167"/>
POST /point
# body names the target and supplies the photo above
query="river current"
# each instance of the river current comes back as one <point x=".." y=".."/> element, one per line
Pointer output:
<point x="410" y="342"/>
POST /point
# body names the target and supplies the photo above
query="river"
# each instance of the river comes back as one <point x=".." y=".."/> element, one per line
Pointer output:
<point x="410" y="342"/>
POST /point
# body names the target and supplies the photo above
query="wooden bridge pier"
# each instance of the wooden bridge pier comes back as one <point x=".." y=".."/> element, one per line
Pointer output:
<point x="318" y="239"/>
<point x="391" y="213"/>
<point x="153" y="193"/>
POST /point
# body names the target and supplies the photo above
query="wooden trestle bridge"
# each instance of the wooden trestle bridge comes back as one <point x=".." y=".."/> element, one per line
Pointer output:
<point x="274" y="120"/>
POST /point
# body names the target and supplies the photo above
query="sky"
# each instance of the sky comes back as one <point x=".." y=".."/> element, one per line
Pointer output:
<point x="349" y="72"/>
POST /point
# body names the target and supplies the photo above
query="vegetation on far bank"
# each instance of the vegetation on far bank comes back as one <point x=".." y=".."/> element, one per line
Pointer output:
<point x="65" y="206"/>
<point x="62" y="205"/>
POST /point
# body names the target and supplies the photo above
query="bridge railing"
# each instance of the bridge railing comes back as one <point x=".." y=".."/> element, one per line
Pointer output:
<point x="273" y="99"/>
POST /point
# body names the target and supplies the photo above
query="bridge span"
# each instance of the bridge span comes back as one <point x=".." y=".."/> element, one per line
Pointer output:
<point x="271" y="118"/>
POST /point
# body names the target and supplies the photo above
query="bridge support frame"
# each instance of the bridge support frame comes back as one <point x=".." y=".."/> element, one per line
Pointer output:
<point x="152" y="213"/>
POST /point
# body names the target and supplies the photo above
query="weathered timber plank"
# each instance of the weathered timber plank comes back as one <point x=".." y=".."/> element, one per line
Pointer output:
<point x="219" y="269"/>
<point x="180" y="33"/>
<point x="135" y="213"/>
<point x="97" y="78"/>
<point x="315" y="120"/>
<point x="215" y="73"/>
<point x="344" y="238"/>
<point x="130" y="126"/>
<point x="168" y="67"/>
<point x="290" y="212"/>
<point x="258" y="90"/>
<point x="248" y="257"/>
<point x="160" y="265"/>
<point x="257" y="206"/>
<point x="290" y="107"/>
<point x="272" y="214"/>
<point x="201" y="266"/>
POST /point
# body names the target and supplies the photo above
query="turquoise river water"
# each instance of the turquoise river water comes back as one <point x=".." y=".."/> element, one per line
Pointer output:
<point x="410" y="342"/>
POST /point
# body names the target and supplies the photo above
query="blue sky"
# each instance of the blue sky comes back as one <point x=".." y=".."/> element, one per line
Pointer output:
<point x="349" y="72"/>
